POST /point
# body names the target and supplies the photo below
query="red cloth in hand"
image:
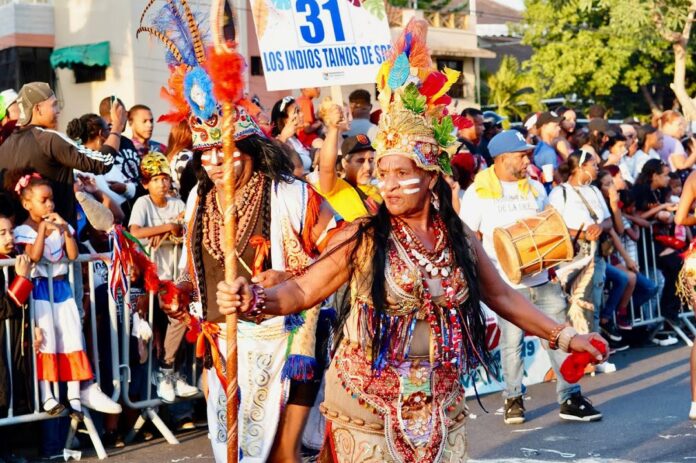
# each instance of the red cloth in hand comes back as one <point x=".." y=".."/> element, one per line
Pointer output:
<point x="573" y="367"/>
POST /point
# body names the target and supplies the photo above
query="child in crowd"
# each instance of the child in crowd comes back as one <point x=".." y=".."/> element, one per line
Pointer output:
<point x="59" y="341"/>
<point x="12" y="305"/>
<point x="157" y="220"/>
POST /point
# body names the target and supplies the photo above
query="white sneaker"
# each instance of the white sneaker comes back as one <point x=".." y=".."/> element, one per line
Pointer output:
<point x="182" y="388"/>
<point x="605" y="367"/>
<point x="165" y="386"/>
<point x="664" y="341"/>
<point x="93" y="397"/>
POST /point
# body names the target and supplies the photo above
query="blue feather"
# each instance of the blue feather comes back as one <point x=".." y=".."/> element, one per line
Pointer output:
<point x="409" y="42"/>
<point x="170" y="21"/>
<point x="198" y="76"/>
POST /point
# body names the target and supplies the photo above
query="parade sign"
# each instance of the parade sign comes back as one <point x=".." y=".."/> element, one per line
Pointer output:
<point x="320" y="43"/>
<point x="537" y="366"/>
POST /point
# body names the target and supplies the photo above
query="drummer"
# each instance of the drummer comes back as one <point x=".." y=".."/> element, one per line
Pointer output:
<point x="499" y="196"/>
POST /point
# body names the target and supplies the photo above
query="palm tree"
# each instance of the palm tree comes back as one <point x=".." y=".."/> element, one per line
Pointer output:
<point x="511" y="91"/>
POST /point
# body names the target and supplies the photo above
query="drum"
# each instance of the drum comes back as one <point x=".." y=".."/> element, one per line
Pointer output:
<point x="532" y="245"/>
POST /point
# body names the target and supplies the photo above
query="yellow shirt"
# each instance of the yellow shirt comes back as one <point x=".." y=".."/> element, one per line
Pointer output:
<point x="346" y="201"/>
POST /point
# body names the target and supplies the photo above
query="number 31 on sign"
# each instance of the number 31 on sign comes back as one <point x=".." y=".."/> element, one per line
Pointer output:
<point x="323" y="22"/>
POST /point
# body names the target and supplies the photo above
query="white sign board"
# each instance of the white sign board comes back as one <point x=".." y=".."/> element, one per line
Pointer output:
<point x="320" y="43"/>
<point x="537" y="366"/>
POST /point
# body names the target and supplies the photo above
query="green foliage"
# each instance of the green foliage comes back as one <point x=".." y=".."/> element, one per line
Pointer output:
<point x="443" y="130"/>
<point x="590" y="47"/>
<point x="375" y="7"/>
<point x="413" y="100"/>
<point x="513" y="91"/>
<point x="431" y="5"/>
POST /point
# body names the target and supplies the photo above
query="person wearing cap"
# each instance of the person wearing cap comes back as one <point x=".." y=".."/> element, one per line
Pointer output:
<point x="37" y="145"/>
<point x="9" y="113"/>
<point x="470" y="135"/>
<point x="627" y="163"/>
<point x="499" y="196"/>
<point x="352" y="196"/>
<point x="548" y="129"/>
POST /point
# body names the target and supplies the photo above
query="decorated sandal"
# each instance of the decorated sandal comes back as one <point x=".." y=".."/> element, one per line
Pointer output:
<point x="53" y="407"/>
<point x="76" y="411"/>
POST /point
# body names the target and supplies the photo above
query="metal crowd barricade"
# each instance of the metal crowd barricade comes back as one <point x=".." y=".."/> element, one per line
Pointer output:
<point x="149" y="404"/>
<point x="120" y="366"/>
<point x="37" y="414"/>
<point x="651" y="312"/>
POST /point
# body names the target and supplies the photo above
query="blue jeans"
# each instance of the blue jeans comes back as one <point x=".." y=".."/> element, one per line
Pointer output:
<point x="645" y="290"/>
<point x="549" y="298"/>
<point x="619" y="281"/>
<point x="598" y="288"/>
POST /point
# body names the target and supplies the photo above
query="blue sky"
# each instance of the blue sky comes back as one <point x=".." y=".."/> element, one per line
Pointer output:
<point x="517" y="4"/>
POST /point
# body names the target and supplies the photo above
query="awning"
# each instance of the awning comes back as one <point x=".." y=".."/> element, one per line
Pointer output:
<point x="463" y="52"/>
<point x="95" y="54"/>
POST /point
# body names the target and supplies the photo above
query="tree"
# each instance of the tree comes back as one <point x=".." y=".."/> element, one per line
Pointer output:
<point x="667" y="18"/>
<point x="594" y="48"/>
<point x="431" y="5"/>
<point x="512" y="92"/>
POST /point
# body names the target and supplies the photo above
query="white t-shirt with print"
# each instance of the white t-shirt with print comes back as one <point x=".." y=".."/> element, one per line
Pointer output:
<point x="146" y="214"/>
<point x="483" y="215"/>
<point x="573" y="209"/>
<point x="53" y="251"/>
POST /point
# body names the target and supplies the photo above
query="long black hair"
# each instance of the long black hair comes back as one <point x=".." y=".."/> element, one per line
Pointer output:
<point x="268" y="159"/>
<point x="378" y="229"/>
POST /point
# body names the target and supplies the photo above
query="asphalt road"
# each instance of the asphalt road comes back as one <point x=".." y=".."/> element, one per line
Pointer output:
<point x="645" y="406"/>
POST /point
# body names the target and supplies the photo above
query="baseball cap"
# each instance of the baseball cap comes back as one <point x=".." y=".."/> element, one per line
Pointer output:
<point x="492" y="118"/>
<point x="7" y="97"/>
<point x="29" y="96"/>
<point x="356" y="143"/>
<point x="508" y="141"/>
<point x="548" y="117"/>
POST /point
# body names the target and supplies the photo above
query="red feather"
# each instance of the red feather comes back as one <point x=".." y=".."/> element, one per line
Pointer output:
<point x="433" y="83"/>
<point x="174" y="95"/>
<point x="226" y="70"/>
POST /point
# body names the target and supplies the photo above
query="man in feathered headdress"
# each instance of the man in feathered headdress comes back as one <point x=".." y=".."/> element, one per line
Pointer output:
<point x="281" y="224"/>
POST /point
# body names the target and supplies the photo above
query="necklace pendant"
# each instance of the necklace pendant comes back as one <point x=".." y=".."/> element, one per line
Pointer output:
<point x="434" y="271"/>
<point x="445" y="273"/>
<point x="429" y="268"/>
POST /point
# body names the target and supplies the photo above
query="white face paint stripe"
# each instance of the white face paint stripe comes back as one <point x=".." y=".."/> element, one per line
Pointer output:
<point x="380" y="184"/>
<point x="237" y="163"/>
<point x="410" y="181"/>
<point x="411" y="191"/>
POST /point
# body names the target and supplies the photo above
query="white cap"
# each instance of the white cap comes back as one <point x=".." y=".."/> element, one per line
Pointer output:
<point x="9" y="96"/>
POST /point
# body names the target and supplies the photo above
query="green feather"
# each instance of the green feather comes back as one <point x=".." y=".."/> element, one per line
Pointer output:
<point x="443" y="131"/>
<point x="413" y="100"/>
<point x="444" y="161"/>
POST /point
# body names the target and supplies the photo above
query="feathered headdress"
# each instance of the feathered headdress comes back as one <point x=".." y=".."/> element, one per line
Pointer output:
<point x="194" y="67"/>
<point x="413" y="95"/>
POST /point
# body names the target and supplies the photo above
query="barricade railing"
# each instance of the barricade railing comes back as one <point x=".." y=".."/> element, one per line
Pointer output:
<point x="651" y="311"/>
<point x="149" y="404"/>
<point x="37" y="414"/>
<point x="120" y="355"/>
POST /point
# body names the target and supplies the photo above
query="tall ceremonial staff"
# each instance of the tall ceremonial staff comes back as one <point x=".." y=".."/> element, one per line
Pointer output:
<point x="224" y="60"/>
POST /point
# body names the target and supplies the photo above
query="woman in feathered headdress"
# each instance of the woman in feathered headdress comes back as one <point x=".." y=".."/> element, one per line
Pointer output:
<point x="415" y="328"/>
<point x="281" y="223"/>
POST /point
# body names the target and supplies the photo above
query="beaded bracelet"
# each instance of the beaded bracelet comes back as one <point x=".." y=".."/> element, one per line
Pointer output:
<point x="555" y="333"/>
<point x="258" y="304"/>
<point x="567" y="334"/>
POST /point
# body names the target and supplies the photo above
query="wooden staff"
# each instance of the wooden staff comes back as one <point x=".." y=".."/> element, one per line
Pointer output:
<point x="230" y="248"/>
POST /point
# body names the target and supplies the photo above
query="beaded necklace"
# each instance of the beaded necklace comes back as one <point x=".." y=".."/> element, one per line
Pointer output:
<point x="247" y="204"/>
<point x="437" y="262"/>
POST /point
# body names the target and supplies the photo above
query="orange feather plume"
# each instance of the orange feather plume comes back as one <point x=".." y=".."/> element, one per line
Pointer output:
<point x="226" y="70"/>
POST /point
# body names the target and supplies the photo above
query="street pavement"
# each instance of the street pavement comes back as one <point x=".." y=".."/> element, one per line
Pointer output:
<point x="645" y="406"/>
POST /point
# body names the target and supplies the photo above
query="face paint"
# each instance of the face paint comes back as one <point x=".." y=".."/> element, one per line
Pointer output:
<point x="380" y="184"/>
<point x="410" y="181"/>
<point x="237" y="158"/>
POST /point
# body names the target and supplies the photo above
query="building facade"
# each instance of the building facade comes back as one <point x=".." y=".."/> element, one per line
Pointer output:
<point x="135" y="71"/>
